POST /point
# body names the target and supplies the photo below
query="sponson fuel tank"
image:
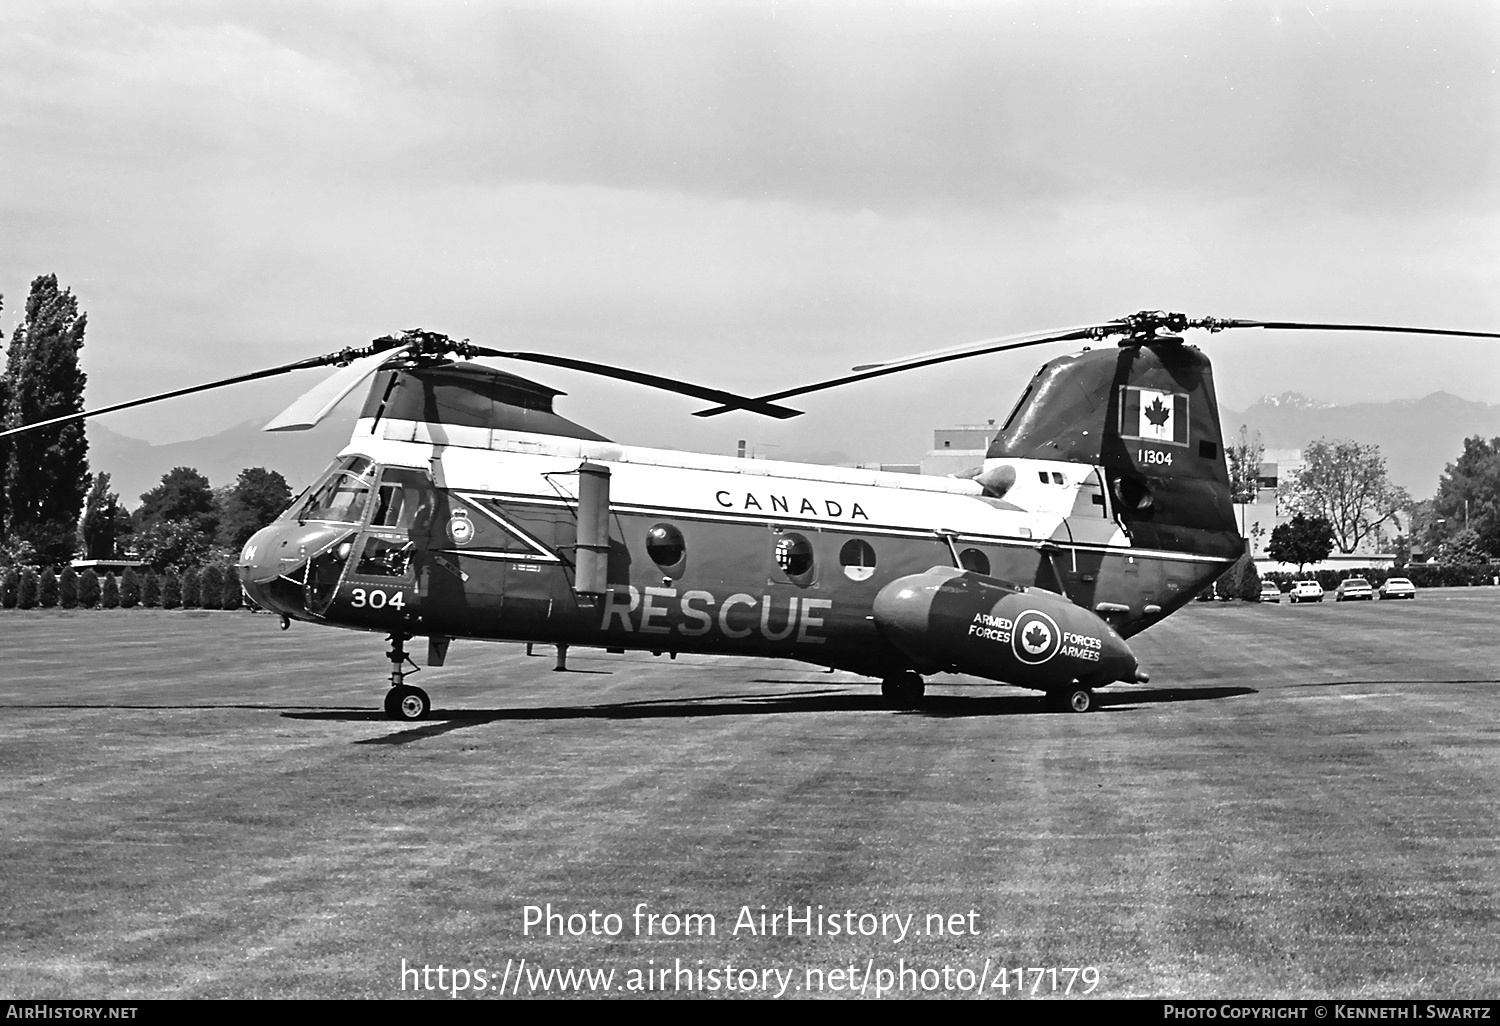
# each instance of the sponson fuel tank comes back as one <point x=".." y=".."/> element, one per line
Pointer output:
<point x="960" y="621"/>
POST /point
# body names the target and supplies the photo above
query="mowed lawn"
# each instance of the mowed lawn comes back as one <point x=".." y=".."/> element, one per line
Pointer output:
<point x="1305" y="801"/>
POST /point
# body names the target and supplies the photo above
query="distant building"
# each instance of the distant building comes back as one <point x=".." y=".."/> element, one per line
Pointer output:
<point x="957" y="449"/>
<point x="1272" y="508"/>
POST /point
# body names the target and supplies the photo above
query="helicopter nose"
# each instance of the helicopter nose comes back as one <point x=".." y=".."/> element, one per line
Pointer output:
<point x="281" y="549"/>
<point x="274" y="563"/>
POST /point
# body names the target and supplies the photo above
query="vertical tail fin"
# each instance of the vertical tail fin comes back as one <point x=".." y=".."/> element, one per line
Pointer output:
<point x="1147" y="413"/>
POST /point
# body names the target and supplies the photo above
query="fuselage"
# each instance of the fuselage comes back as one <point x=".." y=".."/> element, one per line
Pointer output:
<point x="448" y="531"/>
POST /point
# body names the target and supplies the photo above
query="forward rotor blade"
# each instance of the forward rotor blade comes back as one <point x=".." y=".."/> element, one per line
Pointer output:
<point x="1215" y="324"/>
<point x="927" y="359"/>
<point x="317" y="361"/>
<point x="317" y="402"/>
<point x="730" y="400"/>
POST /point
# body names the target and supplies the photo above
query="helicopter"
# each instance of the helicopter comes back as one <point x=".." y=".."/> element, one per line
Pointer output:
<point x="466" y="507"/>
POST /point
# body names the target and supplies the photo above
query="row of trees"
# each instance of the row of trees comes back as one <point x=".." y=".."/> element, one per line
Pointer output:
<point x="52" y="507"/>
<point x="1343" y="497"/>
<point x="213" y="587"/>
<point x="182" y="522"/>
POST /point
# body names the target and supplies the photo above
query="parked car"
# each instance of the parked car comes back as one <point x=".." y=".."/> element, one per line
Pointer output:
<point x="1306" y="591"/>
<point x="1398" y="587"/>
<point x="1269" y="592"/>
<point x="1353" y="589"/>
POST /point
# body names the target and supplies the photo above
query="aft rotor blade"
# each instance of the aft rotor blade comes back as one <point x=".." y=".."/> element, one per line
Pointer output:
<point x="730" y="400"/>
<point x="317" y="402"/>
<point x="317" y="361"/>
<point x="935" y="356"/>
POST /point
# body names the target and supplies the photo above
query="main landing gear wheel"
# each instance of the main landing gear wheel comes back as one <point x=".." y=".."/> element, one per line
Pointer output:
<point x="1077" y="699"/>
<point x="405" y="702"/>
<point x="903" y="691"/>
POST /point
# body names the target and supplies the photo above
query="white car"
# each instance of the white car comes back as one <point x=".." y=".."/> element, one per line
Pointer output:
<point x="1353" y="589"/>
<point x="1306" y="591"/>
<point x="1269" y="592"/>
<point x="1398" y="587"/>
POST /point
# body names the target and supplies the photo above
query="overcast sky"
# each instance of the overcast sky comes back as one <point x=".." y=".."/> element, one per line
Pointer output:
<point x="752" y="195"/>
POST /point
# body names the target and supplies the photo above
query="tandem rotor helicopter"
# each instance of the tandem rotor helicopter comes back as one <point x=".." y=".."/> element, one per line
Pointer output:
<point x="465" y="507"/>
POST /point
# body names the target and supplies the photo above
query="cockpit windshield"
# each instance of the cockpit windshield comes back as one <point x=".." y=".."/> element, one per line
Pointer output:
<point x="342" y="495"/>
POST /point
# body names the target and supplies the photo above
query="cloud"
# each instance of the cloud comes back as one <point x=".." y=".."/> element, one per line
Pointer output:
<point x="751" y="196"/>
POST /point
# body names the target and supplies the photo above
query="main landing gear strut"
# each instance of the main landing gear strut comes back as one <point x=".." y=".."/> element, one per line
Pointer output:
<point x="404" y="702"/>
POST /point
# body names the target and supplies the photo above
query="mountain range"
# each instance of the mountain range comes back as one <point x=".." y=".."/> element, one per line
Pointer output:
<point x="1418" y="437"/>
<point x="135" y="466"/>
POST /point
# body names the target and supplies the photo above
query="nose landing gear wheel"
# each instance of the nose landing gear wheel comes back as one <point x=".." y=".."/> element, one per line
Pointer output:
<point x="408" y="703"/>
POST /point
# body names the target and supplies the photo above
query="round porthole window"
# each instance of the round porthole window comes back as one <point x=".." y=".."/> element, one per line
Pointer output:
<point x="794" y="554"/>
<point x="858" y="559"/>
<point x="665" y="546"/>
<point x="973" y="559"/>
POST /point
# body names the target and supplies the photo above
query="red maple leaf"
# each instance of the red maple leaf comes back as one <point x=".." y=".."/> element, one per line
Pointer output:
<point x="1035" y="636"/>
<point x="1156" y="413"/>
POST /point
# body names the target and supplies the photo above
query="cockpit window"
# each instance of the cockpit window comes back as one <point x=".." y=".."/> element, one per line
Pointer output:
<point x="341" y="498"/>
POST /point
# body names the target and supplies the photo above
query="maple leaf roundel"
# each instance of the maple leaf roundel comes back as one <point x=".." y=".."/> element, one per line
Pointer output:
<point x="1035" y="637"/>
<point x="1156" y="413"/>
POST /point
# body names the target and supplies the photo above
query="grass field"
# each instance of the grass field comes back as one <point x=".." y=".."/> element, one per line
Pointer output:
<point x="1304" y="802"/>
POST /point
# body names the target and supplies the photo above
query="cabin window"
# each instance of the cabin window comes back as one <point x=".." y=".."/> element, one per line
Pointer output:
<point x="794" y="555"/>
<point x="858" y="559"/>
<point x="975" y="560"/>
<point x="666" y="546"/>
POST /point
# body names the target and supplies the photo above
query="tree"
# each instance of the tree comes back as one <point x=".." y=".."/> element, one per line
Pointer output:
<point x="89" y="589"/>
<point x="46" y="471"/>
<point x="1301" y="540"/>
<point x="46" y="589"/>
<point x="1463" y="549"/>
<point x="17" y="552"/>
<point x="26" y="589"/>
<point x="1244" y="459"/>
<point x="233" y="597"/>
<point x="151" y="591"/>
<point x="1344" y="483"/>
<point x="256" y="499"/>
<point x="182" y="496"/>
<point x="67" y="589"/>
<point x="191" y="592"/>
<point x="1468" y="494"/>
<point x="171" y="546"/>
<point x="104" y="520"/>
<point x="171" y="591"/>
<point x="211" y="587"/>
<point x="130" y="589"/>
